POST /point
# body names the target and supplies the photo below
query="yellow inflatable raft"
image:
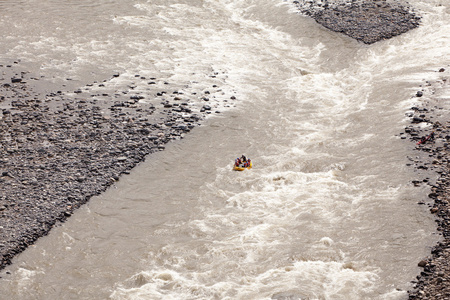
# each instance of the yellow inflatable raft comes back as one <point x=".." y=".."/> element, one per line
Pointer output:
<point x="242" y="168"/>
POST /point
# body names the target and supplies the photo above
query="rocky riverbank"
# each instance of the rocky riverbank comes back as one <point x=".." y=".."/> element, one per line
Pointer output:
<point x="430" y="131"/>
<point x="365" y="21"/>
<point x="57" y="150"/>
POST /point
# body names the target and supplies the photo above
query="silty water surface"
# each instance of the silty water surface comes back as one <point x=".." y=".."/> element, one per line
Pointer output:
<point x="327" y="212"/>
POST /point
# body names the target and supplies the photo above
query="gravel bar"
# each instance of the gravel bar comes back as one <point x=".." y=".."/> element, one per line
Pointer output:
<point x="365" y="21"/>
<point x="430" y="133"/>
<point x="59" y="149"/>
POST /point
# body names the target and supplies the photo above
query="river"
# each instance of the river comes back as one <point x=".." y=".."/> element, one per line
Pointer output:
<point x="327" y="212"/>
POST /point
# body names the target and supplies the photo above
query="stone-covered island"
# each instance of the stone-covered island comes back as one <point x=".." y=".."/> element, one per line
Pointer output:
<point x="365" y="21"/>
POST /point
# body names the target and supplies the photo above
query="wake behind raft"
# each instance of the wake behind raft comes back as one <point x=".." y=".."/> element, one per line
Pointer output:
<point x="242" y="163"/>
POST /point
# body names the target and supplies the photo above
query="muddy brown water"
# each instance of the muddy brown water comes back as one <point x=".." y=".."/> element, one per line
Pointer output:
<point x="327" y="212"/>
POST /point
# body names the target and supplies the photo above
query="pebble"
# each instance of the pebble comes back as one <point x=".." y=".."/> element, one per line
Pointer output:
<point x="422" y="263"/>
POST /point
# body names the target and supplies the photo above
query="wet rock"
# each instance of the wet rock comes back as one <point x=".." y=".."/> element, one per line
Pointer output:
<point x="417" y="119"/>
<point x="422" y="263"/>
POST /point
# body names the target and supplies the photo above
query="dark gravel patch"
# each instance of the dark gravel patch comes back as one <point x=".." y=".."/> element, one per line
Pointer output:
<point x="365" y="21"/>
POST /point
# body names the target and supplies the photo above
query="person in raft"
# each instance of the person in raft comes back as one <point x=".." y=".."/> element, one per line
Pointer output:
<point x="242" y="162"/>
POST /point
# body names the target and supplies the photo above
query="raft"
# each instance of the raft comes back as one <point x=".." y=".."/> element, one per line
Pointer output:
<point x="241" y="167"/>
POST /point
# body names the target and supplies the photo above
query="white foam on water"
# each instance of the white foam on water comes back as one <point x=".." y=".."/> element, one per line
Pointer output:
<point x="257" y="244"/>
<point x="306" y="279"/>
<point x="23" y="281"/>
<point x="277" y="228"/>
<point x="317" y="216"/>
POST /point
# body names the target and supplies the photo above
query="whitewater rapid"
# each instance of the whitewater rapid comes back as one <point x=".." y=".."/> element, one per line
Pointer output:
<point x="327" y="212"/>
